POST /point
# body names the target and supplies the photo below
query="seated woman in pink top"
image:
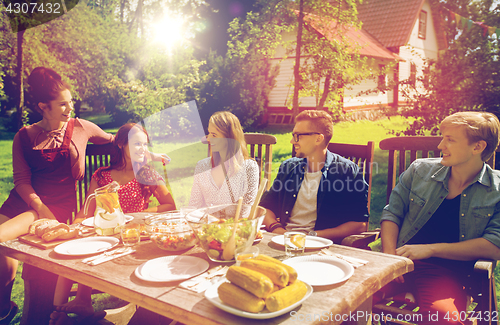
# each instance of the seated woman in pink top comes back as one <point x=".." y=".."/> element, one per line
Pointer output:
<point x="48" y="157"/>
<point x="128" y="167"/>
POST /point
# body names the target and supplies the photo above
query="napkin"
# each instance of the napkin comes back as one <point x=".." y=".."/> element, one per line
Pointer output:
<point x="205" y="280"/>
<point x="355" y="262"/>
<point x="108" y="256"/>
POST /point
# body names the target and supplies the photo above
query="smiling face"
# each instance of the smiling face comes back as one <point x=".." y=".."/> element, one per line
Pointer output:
<point x="58" y="109"/>
<point x="137" y="147"/>
<point x="456" y="148"/>
<point x="307" y="144"/>
<point x="216" y="139"/>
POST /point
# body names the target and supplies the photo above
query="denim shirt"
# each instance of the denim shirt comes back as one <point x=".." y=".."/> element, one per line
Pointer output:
<point x="423" y="187"/>
<point x="342" y="192"/>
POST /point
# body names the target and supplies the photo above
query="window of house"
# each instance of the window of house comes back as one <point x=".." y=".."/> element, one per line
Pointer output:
<point x="381" y="83"/>
<point x="422" y="24"/>
<point x="413" y="74"/>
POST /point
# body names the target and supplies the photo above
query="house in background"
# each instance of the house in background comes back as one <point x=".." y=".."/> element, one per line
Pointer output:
<point x="406" y="32"/>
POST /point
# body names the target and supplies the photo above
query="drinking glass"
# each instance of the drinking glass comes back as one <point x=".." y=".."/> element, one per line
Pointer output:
<point x="245" y="253"/>
<point x="131" y="233"/>
<point x="295" y="243"/>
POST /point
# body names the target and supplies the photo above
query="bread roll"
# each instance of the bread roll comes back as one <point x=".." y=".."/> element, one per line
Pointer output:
<point x="71" y="234"/>
<point x="43" y="227"/>
<point x="54" y="234"/>
<point x="35" y="224"/>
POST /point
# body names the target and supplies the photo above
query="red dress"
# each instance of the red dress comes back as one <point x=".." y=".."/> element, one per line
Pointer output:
<point x="130" y="195"/>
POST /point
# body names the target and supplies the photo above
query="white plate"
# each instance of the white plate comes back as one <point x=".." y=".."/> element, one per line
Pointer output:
<point x="86" y="246"/>
<point x="89" y="222"/>
<point x="212" y="296"/>
<point x="171" y="268"/>
<point x="321" y="270"/>
<point x="311" y="241"/>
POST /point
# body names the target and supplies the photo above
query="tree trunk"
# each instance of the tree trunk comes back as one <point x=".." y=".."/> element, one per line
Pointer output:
<point x="140" y="22"/>
<point x="77" y="107"/>
<point x="122" y="9"/>
<point x="296" y="71"/>
<point x="326" y="91"/>
<point x="19" y="75"/>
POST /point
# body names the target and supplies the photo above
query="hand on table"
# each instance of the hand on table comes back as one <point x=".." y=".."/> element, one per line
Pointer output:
<point x="415" y="252"/>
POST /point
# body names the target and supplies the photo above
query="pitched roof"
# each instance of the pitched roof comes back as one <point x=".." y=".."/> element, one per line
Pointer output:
<point x="369" y="46"/>
<point x="390" y="21"/>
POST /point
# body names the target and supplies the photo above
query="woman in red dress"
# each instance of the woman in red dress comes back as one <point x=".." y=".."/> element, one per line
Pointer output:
<point x="138" y="181"/>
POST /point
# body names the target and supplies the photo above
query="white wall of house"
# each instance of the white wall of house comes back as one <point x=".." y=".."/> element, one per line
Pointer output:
<point x="419" y="50"/>
<point x="354" y="99"/>
<point x="416" y="51"/>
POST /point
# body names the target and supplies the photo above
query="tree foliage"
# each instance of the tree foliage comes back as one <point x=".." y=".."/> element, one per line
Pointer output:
<point x="464" y="77"/>
<point x="109" y="63"/>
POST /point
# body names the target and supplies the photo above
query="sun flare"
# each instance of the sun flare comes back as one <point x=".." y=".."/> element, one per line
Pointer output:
<point x="170" y="32"/>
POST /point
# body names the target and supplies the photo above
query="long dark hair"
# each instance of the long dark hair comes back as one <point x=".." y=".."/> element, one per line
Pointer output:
<point x="118" y="162"/>
<point x="45" y="85"/>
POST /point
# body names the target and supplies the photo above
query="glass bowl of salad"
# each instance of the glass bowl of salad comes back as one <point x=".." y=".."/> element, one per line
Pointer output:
<point x="171" y="233"/>
<point x="214" y="226"/>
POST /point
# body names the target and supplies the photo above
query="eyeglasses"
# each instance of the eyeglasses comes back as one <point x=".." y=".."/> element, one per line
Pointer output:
<point x="296" y="136"/>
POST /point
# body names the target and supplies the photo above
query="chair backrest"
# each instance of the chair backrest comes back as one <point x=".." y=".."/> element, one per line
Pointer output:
<point x="259" y="141"/>
<point x="417" y="147"/>
<point x="96" y="156"/>
<point x="264" y="160"/>
<point x="402" y="148"/>
<point x="361" y="154"/>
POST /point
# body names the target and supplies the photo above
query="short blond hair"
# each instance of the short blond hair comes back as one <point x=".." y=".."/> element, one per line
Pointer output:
<point x="321" y="120"/>
<point x="478" y="126"/>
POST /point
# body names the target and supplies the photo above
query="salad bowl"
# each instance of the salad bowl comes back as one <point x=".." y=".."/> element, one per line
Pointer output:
<point x="214" y="226"/>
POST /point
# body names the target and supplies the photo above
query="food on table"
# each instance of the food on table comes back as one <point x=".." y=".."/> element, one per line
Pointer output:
<point x="50" y="229"/>
<point x="277" y="273"/>
<point x="286" y="296"/>
<point x="292" y="274"/>
<point x="214" y="236"/>
<point x="242" y="257"/>
<point x="172" y="234"/>
<point x="259" y="235"/>
<point x="39" y="226"/>
<point x="249" y="288"/>
<point x="239" y="298"/>
<point x="252" y="281"/>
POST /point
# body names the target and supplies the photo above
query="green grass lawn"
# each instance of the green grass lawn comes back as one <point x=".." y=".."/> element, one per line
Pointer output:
<point x="184" y="156"/>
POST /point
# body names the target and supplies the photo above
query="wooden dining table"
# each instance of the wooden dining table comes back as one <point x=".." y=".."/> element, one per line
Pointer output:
<point x="346" y="302"/>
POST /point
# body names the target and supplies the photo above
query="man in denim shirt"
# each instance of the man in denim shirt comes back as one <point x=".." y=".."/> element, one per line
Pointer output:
<point x="317" y="190"/>
<point x="444" y="214"/>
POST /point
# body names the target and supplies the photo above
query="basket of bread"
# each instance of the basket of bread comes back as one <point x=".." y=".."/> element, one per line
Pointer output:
<point x="50" y="230"/>
<point x="263" y="286"/>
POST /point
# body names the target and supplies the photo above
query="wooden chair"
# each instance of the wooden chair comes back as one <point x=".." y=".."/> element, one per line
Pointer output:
<point x="402" y="152"/>
<point x="258" y="141"/>
<point x="96" y="156"/>
<point x="264" y="160"/>
<point x="362" y="155"/>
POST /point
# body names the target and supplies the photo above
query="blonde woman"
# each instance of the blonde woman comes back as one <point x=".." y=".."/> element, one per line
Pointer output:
<point x="229" y="172"/>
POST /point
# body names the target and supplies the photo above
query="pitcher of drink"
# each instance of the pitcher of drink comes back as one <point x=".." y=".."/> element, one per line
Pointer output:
<point x="108" y="216"/>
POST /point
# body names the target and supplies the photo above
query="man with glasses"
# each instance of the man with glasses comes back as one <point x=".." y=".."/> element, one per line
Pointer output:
<point x="316" y="191"/>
